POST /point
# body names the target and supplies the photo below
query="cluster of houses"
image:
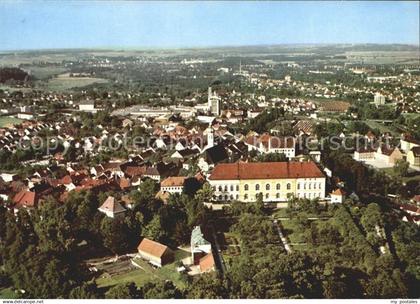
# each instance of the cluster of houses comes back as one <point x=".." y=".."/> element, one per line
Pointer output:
<point x="408" y="149"/>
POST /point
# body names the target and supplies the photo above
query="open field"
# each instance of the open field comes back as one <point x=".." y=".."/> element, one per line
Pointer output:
<point x="124" y="271"/>
<point x="384" y="57"/>
<point x="65" y="82"/>
<point x="44" y="72"/>
<point x="5" y="87"/>
<point x="7" y="121"/>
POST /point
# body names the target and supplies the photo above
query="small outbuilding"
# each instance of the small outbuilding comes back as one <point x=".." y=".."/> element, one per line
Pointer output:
<point x="338" y="196"/>
<point x="155" y="253"/>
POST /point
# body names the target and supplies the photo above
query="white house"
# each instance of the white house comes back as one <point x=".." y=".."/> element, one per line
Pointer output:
<point x="173" y="184"/>
<point x="338" y="196"/>
<point x="87" y="106"/>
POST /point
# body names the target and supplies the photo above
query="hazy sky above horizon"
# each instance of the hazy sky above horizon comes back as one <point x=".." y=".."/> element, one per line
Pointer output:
<point x="79" y="24"/>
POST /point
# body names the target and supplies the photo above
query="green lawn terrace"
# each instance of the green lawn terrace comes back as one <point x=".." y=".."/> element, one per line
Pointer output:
<point x="140" y="272"/>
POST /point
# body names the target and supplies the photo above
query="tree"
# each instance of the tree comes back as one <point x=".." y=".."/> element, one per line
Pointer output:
<point x="207" y="286"/>
<point x="124" y="291"/>
<point x="154" y="230"/>
<point x="53" y="229"/>
<point x="401" y="167"/>
<point x="85" y="291"/>
<point x="205" y="194"/>
<point x="161" y="290"/>
<point x="114" y="235"/>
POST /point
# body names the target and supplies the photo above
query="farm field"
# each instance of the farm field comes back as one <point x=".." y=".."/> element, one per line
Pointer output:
<point x="6" y="121"/>
<point x="45" y="72"/>
<point x="5" y="87"/>
<point x="64" y="82"/>
<point x="383" y="57"/>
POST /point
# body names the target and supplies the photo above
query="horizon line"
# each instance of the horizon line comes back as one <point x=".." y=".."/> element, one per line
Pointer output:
<point x="141" y="48"/>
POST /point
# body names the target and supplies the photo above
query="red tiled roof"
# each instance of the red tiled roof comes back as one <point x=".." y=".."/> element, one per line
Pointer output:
<point x="124" y="183"/>
<point x="338" y="192"/>
<point x="206" y="262"/>
<point x="25" y="198"/>
<point x="66" y="180"/>
<point x="135" y="170"/>
<point x="151" y="247"/>
<point x="266" y="170"/>
<point x="173" y="181"/>
<point x="408" y="207"/>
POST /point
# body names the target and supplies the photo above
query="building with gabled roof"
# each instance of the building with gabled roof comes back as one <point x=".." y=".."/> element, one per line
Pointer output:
<point x="207" y="263"/>
<point x="413" y="156"/>
<point x="112" y="208"/>
<point x="338" y="196"/>
<point x="275" y="181"/>
<point x="155" y="253"/>
<point x="173" y="184"/>
<point x="25" y="199"/>
<point x="199" y="245"/>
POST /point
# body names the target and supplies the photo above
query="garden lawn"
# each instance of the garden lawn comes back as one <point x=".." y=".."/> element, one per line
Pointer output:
<point x="147" y="273"/>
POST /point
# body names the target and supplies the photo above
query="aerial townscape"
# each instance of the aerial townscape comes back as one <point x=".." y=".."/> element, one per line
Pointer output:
<point x="267" y="171"/>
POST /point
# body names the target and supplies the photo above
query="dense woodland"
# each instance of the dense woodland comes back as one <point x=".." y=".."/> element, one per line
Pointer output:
<point x="13" y="75"/>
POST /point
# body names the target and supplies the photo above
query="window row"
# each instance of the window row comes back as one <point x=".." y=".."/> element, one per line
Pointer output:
<point x="267" y="187"/>
<point x="309" y="186"/>
<point x="226" y="188"/>
<point x="300" y="186"/>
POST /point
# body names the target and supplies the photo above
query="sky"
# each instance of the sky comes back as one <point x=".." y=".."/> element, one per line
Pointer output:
<point x="131" y="24"/>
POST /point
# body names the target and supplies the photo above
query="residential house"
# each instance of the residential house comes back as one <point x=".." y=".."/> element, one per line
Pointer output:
<point x="338" y="196"/>
<point x="364" y="153"/>
<point x="25" y="199"/>
<point x="407" y="142"/>
<point x="413" y="156"/>
<point x="388" y="154"/>
<point x="272" y="144"/>
<point x="173" y="184"/>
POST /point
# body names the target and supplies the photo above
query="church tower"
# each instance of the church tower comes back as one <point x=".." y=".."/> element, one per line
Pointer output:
<point x="210" y="136"/>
